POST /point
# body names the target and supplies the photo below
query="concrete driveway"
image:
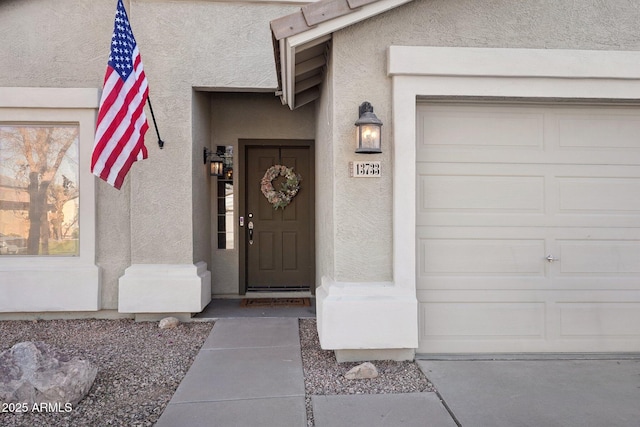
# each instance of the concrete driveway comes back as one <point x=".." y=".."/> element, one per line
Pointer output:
<point x="539" y="393"/>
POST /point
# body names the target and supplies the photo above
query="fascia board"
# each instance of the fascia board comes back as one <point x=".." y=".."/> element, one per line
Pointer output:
<point x="290" y="73"/>
<point x="340" y="22"/>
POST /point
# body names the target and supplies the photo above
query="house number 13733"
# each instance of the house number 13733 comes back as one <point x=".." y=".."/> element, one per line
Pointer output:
<point x="369" y="169"/>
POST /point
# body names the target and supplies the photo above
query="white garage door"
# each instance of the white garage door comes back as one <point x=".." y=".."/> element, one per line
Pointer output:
<point x="528" y="228"/>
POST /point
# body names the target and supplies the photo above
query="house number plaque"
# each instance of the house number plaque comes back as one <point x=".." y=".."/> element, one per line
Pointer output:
<point x="365" y="169"/>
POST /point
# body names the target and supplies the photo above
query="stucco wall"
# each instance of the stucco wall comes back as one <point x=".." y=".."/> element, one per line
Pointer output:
<point x="183" y="44"/>
<point x="42" y="47"/>
<point x="363" y="249"/>
<point x="187" y="45"/>
<point x="325" y="217"/>
<point x="201" y="186"/>
<point x="249" y="116"/>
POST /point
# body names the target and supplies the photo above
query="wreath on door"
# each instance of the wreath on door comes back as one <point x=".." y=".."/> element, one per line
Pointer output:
<point x="288" y="189"/>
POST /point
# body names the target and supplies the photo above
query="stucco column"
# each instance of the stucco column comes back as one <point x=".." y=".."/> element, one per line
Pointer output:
<point x="163" y="277"/>
<point x="366" y="310"/>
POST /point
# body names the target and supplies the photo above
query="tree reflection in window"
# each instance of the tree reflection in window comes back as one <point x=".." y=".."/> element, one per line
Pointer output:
<point x="39" y="200"/>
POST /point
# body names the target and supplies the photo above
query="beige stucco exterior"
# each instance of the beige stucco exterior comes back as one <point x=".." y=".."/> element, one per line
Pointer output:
<point x="363" y="248"/>
<point x="367" y="219"/>
<point x="161" y="215"/>
<point x="212" y="80"/>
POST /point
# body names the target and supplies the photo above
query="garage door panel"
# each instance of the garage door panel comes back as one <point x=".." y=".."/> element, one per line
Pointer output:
<point x="485" y="257"/>
<point x="496" y="321"/>
<point x="604" y="195"/>
<point x="595" y="319"/>
<point x="605" y="129"/>
<point x="501" y="187"/>
<point x="487" y="193"/>
<point x="489" y="257"/>
<point x="573" y="282"/>
<point x="460" y="320"/>
<point x="599" y="257"/>
<point x="528" y="134"/>
<point x="528" y="195"/>
<point x="490" y="128"/>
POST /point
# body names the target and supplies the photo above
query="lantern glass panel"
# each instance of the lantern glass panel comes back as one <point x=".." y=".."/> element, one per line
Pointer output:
<point x="216" y="167"/>
<point x="369" y="138"/>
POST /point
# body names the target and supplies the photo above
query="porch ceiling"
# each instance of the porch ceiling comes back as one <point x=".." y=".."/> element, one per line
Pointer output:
<point x="301" y="43"/>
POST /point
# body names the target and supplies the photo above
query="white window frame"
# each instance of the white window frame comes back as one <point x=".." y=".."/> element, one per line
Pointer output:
<point x="56" y="283"/>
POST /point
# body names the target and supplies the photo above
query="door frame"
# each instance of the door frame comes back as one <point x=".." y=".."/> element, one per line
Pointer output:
<point x="243" y="144"/>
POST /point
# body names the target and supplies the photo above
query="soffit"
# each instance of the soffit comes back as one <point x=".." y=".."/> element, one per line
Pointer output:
<point x="302" y="40"/>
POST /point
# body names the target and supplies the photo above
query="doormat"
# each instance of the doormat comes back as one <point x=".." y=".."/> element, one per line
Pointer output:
<point x="275" y="302"/>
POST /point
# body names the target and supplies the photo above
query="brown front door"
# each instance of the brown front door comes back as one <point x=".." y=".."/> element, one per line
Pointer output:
<point x="278" y="243"/>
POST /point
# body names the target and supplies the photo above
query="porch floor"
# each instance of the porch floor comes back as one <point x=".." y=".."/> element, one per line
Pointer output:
<point x="222" y="308"/>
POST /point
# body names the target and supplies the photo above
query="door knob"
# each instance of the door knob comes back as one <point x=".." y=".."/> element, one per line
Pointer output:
<point x="551" y="258"/>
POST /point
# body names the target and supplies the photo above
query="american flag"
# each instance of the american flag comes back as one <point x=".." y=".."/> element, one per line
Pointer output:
<point x="122" y="122"/>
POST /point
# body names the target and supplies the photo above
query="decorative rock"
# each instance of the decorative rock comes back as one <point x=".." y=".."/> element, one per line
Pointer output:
<point x="169" y="323"/>
<point x="362" y="371"/>
<point x="35" y="373"/>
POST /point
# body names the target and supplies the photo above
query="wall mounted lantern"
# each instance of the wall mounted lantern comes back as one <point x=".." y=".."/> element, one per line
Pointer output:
<point x="216" y="163"/>
<point x="368" y="130"/>
<point x="220" y="161"/>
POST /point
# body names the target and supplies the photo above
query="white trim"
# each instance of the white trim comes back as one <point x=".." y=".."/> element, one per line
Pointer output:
<point x="38" y="97"/>
<point x="51" y="283"/>
<point x="289" y="69"/>
<point x="164" y="288"/>
<point x="366" y="316"/>
<point x="521" y="63"/>
<point x="469" y="72"/>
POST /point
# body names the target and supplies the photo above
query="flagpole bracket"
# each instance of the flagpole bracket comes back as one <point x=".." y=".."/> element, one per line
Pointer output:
<point x="153" y="116"/>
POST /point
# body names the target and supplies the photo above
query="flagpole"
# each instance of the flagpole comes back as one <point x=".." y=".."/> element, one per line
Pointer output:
<point x="160" y="141"/>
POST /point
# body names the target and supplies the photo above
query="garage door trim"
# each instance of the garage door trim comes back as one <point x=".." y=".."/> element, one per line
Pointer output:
<point x="580" y="76"/>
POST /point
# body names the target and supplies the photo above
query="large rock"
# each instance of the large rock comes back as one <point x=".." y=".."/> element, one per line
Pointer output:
<point x="35" y="372"/>
<point x="169" y="323"/>
<point x="363" y="371"/>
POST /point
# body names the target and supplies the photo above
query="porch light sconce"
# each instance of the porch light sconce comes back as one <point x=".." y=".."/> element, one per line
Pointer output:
<point x="216" y="162"/>
<point x="368" y="130"/>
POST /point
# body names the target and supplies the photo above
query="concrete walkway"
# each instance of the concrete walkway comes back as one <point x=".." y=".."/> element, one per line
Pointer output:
<point x="249" y="374"/>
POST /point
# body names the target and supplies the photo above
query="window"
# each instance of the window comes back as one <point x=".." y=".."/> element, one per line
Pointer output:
<point x="48" y="200"/>
<point x="225" y="199"/>
<point x="39" y="193"/>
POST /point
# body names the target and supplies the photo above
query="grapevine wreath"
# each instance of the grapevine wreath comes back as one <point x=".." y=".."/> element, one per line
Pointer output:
<point x="288" y="189"/>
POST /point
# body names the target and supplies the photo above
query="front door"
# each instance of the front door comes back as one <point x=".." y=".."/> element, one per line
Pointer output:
<point x="278" y="242"/>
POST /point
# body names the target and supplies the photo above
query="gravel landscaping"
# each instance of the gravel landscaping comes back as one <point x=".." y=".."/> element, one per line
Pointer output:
<point x="323" y="375"/>
<point x="140" y="367"/>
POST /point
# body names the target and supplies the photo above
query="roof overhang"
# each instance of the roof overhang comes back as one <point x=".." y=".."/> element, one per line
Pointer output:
<point x="301" y="43"/>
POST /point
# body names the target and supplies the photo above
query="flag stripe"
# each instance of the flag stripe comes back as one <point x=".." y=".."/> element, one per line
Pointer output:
<point x="122" y="123"/>
<point x="117" y="117"/>
<point x="130" y="144"/>
<point x="130" y="159"/>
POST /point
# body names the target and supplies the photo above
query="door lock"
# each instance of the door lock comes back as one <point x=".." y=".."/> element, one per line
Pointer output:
<point x="250" y="226"/>
<point x="551" y="258"/>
